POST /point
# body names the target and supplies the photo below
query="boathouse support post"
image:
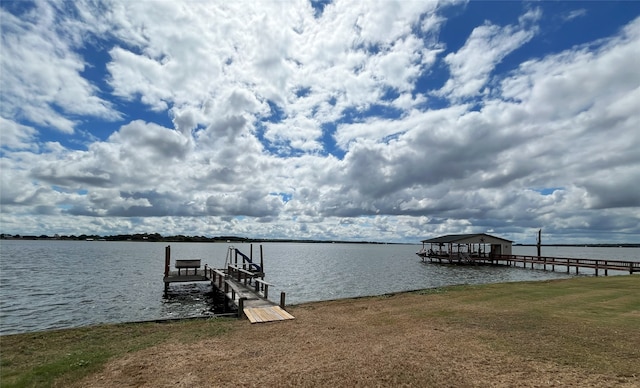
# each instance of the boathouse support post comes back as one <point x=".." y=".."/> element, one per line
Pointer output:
<point x="282" y="300"/>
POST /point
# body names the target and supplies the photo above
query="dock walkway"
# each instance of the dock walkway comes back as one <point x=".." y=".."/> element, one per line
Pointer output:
<point x="542" y="262"/>
<point x="241" y="282"/>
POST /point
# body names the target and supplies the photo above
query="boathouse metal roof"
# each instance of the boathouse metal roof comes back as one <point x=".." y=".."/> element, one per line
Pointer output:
<point x="478" y="238"/>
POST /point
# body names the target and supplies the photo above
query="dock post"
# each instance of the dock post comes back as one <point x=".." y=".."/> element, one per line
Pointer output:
<point x="282" y="297"/>
<point x="241" y="307"/>
<point x="261" y="262"/>
<point x="167" y="260"/>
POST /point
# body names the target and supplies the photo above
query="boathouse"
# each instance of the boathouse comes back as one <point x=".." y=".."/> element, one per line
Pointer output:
<point x="482" y="248"/>
<point x="465" y="246"/>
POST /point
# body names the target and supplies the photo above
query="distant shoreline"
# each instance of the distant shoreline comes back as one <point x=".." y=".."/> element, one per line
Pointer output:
<point x="200" y="239"/>
<point x="155" y="237"/>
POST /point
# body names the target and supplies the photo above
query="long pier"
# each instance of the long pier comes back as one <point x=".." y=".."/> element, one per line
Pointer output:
<point x="543" y="262"/>
<point x="241" y="282"/>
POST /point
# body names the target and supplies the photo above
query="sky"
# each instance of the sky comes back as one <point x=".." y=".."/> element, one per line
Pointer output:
<point x="388" y="121"/>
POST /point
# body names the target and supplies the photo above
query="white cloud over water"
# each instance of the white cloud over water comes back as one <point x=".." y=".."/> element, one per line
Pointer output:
<point x="351" y="122"/>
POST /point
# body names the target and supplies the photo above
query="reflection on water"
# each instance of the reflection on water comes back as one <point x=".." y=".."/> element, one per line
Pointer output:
<point x="189" y="300"/>
<point x="57" y="284"/>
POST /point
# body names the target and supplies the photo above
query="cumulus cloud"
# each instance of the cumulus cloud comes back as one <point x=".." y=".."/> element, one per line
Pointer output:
<point x="278" y="120"/>
<point x="16" y="136"/>
<point x="487" y="45"/>
<point x="42" y="80"/>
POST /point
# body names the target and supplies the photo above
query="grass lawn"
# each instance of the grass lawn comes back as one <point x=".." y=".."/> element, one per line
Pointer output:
<point x="583" y="331"/>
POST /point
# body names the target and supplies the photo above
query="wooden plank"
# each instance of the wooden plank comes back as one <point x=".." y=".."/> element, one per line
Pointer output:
<point x="185" y="278"/>
<point x="263" y="282"/>
<point x="283" y="312"/>
<point x="241" y="290"/>
<point x="246" y="295"/>
<point x="251" y="316"/>
<point x="195" y="263"/>
<point x="266" y="314"/>
<point x="262" y="314"/>
<point x="273" y="314"/>
<point x="269" y="315"/>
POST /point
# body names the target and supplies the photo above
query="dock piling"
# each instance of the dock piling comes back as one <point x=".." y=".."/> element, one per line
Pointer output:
<point x="241" y="307"/>
<point x="167" y="260"/>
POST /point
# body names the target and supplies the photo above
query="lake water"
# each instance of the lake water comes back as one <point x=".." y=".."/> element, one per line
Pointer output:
<point x="59" y="284"/>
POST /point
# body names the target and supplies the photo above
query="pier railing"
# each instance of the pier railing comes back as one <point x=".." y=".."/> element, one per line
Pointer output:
<point x="242" y="276"/>
<point x="568" y="262"/>
<point x="543" y="262"/>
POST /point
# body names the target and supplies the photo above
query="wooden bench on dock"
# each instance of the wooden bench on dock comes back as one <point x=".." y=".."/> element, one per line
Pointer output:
<point x="188" y="264"/>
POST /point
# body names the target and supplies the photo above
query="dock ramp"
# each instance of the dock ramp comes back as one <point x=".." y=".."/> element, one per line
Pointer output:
<point x="266" y="314"/>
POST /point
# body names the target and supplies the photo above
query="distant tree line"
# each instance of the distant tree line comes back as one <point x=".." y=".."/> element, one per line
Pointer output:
<point x="153" y="237"/>
<point x="156" y="237"/>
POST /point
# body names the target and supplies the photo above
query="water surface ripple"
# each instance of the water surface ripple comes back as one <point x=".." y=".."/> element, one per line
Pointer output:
<point x="59" y="284"/>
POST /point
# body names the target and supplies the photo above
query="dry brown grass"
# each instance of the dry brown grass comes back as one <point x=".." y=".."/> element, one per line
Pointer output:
<point x="528" y="335"/>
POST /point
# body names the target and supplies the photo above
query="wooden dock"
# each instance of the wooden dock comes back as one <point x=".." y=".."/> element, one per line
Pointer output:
<point x="540" y="262"/>
<point x="241" y="282"/>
